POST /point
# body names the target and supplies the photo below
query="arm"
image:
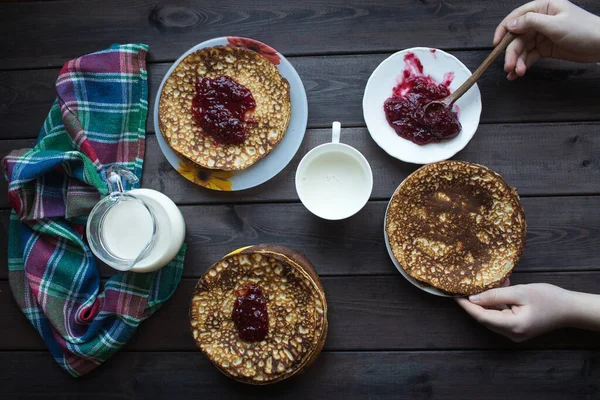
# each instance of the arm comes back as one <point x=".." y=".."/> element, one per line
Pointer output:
<point x="586" y="311"/>
<point x="522" y="312"/>
<point x="549" y="29"/>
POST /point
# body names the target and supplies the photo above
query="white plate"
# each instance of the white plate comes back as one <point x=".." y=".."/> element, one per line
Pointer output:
<point x="277" y="159"/>
<point x="379" y="88"/>
<point x="426" y="288"/>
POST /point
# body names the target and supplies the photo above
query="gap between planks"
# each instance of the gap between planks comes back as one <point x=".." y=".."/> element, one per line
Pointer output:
<point x="371" y="200"/>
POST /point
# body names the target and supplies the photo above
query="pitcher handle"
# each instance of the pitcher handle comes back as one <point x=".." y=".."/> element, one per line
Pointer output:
<point x="115" y="174"/>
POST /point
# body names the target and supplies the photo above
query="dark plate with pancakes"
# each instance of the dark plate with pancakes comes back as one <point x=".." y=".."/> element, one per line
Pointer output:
<point x="260" y="314"/>
<point x="455" y="228"/>
<point x="273" y="128"/>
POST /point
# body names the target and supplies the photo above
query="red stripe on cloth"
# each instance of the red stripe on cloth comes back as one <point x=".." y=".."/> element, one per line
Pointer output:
<point x="127" y="66"/>
<point x="107" y="62"/>
<point x="109" y="153"/>
<point x="67" y="67"/>
<point x="77" y="363"/>
<point x="88" y="148"/>
<point x="15" y="201"/>
<point x="87" y="314"/>
<point x="141" y="148"/>
<point x="140" y="62"/>
<point x="80" y="229"/>
<point x="75" y="130"/>
<point x="124" y="303"/>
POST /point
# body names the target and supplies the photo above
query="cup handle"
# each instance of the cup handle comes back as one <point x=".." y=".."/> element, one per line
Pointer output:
<point x="335" y="132"/>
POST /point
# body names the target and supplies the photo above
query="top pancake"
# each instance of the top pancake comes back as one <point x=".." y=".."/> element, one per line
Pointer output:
<point x="272" y="113"/>
<point x="456" y="226"/>
<point x="296" y="306"/>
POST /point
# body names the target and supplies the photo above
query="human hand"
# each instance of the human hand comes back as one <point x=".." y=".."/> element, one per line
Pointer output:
<point x="520" y="312"/>
<point x="548" y="29"/>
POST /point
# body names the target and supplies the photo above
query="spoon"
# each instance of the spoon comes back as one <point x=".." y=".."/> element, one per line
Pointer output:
<point x="448" y="101"/>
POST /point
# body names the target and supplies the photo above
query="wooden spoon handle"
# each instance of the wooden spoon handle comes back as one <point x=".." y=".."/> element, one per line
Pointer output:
<point x="462" y="89"/>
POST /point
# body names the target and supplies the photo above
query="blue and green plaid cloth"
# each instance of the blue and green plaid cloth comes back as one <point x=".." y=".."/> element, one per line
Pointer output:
<point x="97" y="121"/>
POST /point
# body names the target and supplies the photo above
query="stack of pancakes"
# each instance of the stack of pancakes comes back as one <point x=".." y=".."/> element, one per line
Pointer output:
<point x="456" y="226"/>
<point x="296" y="306"/>
<point x="272" y="113"/>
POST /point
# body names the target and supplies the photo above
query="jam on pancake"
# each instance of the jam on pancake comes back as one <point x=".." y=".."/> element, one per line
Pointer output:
<point x="260" y="314"/>
<point x="224" y="108"/>
<point x="250" y="314"/>
<point x="220" y="107"/>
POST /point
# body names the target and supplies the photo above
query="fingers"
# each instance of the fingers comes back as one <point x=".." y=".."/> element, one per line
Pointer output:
<point x="517" y="65"/>
<point x="503" y="307"/>
<point x="512" y="75"/>
<point x="532" y="57"/>
<point x="502" y="28"/>
<point x="520" y="68"/>
<point x="466" y="305"/>
<point x="499" y="34"/>
<point x="494" y="297"/>
<point x="527" y="21"/>
<point x="516" y="47"/>
<point x="532" y="22"/>
<point x="503" y="322"/>
<point x="525" y="60"/>
<point x="512" y="53"/>
<point x="493" y="319"/>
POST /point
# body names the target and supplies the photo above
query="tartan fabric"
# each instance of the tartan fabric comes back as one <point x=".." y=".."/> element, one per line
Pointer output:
<point x="97" y="121"/>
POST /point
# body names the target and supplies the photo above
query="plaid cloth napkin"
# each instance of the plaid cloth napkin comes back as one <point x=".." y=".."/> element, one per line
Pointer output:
<point x="98" y="120"/>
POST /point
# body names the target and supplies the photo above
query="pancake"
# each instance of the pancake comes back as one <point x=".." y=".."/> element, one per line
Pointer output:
<point x="271" y="93"/>
<point x="296" y="308"/>
<point x="456" y="226"/>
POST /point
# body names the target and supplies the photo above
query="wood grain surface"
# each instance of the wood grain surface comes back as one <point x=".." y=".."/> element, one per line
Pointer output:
<point x="365" y="313"/>
<point x="537" y="159"/>
<point x="456" y="375"/>
<point x="387" y="339"/>
<point x="567" y="242"/>
<point x="44" y="34"/>
<point x="545" y="95"/>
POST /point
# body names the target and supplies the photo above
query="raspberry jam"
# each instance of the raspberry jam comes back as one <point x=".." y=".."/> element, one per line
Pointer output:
<point x="404" y="109"/>
<point x="220" y="107"/>
<point x="250" y="314"/>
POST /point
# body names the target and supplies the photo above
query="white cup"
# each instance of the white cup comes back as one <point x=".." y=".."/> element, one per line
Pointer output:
<point x="334" y="181"/>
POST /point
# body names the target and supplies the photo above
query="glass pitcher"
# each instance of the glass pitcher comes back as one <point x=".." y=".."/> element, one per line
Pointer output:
<point x="122" y="228"/>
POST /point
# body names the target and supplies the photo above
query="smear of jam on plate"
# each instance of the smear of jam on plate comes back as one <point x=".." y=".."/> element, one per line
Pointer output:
<point x="220" y="107"/>
<point x="404" y="110"/>
<point x="250" y="314"/>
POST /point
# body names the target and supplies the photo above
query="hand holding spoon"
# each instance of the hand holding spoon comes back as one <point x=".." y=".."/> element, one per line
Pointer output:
<point x="448" y="101"/>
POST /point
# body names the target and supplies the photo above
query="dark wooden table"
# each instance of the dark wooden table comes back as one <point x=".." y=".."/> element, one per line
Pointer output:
<point x="386" y="339"/>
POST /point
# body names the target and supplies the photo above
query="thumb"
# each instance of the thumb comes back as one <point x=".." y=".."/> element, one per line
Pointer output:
<point x="532" y="22"/>
<point x="494" y="297"/>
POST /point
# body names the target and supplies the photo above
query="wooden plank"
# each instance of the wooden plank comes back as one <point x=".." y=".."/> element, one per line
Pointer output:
<point x="537" y="159"/>
<point x="365" y="313"/>
<point x="383" y="375"/>
<point x="294" y="27"/>
<point x="563" y="235"/>
<point x="544" y="95"/>
<point x="25" y="99"/>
